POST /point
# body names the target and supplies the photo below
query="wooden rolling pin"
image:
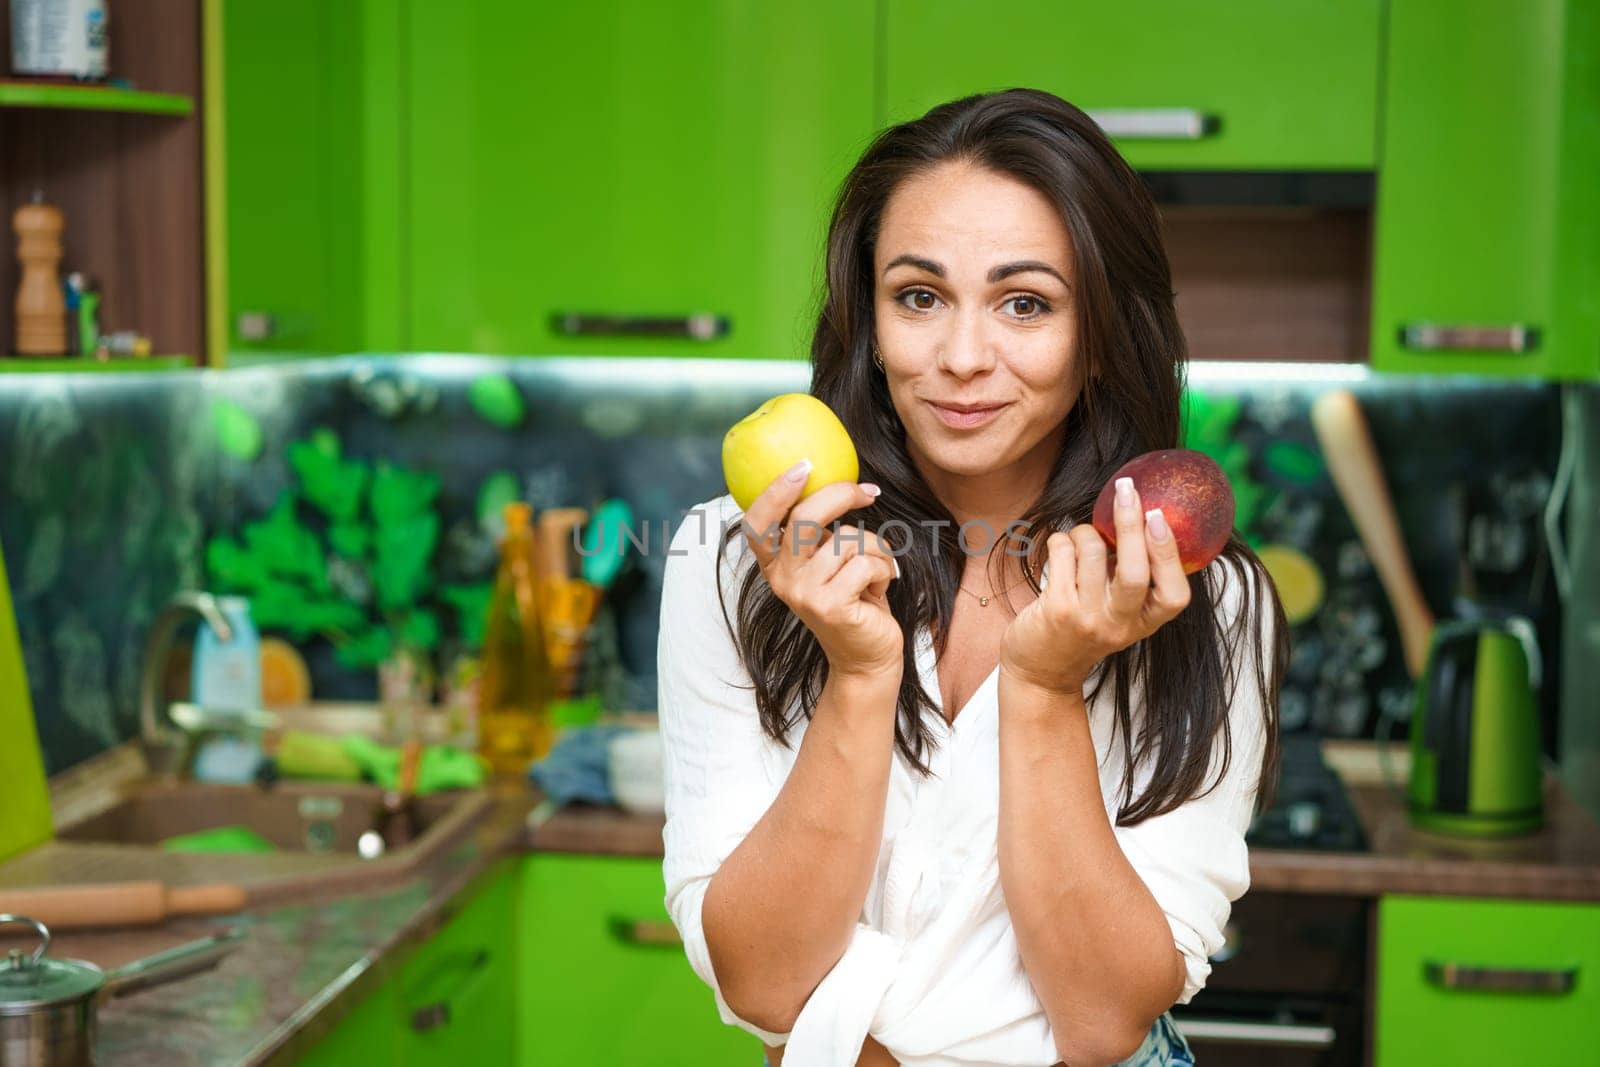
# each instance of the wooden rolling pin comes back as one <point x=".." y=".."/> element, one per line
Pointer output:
<point x="1352" y="460"/>
<point x="119" y="903"/>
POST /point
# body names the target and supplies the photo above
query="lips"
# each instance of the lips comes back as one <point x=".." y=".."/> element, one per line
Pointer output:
<point x="965" y="416"/>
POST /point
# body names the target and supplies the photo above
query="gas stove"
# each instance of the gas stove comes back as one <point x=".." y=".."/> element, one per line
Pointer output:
<point x="1311" y="811"/>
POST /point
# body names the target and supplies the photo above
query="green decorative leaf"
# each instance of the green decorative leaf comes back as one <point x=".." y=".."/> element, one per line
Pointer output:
<point x="401" y="571"/>
<point x="349" y="539"/>
<point x="278" y="605"/>
<point x="420" y="630"/>
<point x="332" y="615"/>
<point x="472" y="609"/>
<point x="496" y="400"/>
<point x="331" y="484"/>
<point x="1295" y="462"/>
<point x="232" y="569"/>
<point x="285" y="548"/>
<point x="399" y="494"/>
<point x="367" y="649"/>
<point x="238" y="431"/>
<point x="498" y="490"/>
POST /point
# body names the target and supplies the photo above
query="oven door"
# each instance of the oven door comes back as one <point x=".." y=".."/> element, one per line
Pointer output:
<point x="1245" y="1030"/>
<point x="1289" y="986"/>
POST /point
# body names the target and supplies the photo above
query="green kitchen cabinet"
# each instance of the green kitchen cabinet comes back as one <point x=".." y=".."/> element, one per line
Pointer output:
<point x="25" y="816"/>
<point x="605" y="978"/>
<point x="458" y="997"/>
<point x="1246" y="85"/>
<point x="1468" y="981"/>
<point x="1487" y="213"/>
<point x="454" y="1000"/>
<point x="367" y="1035"/>
<point x="632" y="178"/>
<point x="312" y="114"/>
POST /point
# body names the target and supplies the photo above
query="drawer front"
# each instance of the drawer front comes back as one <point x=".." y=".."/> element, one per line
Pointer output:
<point x="1481" y="981"/>
<point x="457" y="997"/>
<point x="1250" y="84"/>
<point x="607" y="980"/>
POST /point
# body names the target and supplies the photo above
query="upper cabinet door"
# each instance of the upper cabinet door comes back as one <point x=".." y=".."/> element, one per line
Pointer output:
<point x="626" y="177"/>
<point x="294" y="179"/>
<point x="1242" y="85"/>
<point x="1487" y="216"/>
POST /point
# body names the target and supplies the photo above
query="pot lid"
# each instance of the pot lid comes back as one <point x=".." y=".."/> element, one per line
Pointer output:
<point x="31" y="980"/>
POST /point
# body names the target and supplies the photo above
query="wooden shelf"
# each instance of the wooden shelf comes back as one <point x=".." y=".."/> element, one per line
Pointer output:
<point x="92" y="98"/>
<point x="126" y="169"/>
<point x="30" y="365"/>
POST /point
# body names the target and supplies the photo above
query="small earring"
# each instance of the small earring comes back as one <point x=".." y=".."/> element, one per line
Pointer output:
<point x="876" y="358"/>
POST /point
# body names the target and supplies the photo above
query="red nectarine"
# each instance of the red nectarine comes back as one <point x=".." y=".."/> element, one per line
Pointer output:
<point x="1193" y="494"/>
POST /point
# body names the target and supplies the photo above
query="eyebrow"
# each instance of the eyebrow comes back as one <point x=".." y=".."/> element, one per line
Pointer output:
<point x="996" y="274"/>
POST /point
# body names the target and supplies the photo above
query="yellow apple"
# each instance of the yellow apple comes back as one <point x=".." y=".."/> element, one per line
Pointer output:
<point x="777" y="435"/>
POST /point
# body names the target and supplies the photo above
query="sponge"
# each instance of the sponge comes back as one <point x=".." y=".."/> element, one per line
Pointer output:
<point x="220" y="839"/>
<point x="307" y="755"/>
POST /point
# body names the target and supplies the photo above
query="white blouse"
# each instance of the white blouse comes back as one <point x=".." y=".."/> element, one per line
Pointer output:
<point x="933" y="971"/>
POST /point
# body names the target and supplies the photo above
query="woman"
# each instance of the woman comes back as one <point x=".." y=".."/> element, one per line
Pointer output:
<point x="936" y="796"/>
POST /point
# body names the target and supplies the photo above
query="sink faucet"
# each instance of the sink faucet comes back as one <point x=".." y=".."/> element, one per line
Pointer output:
<point x="167" y="750"/>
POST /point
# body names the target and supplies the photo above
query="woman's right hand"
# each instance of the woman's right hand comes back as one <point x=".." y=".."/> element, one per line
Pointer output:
<point x="836" y="584"/>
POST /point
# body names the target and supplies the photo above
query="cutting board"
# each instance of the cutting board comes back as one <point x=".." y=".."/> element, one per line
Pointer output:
<point x="25" y="802"/>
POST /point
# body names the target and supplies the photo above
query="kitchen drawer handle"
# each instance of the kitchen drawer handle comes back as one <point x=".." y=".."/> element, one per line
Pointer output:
<point x="1276" y="1035"/>
<point x="652" y="932"/>
<point x="436" y="1014"/>
<point x="1434" y="337"/>
<point x="1553" y="980"/>
<point x="691" y="327"/>
<point x="1156" y="123"/>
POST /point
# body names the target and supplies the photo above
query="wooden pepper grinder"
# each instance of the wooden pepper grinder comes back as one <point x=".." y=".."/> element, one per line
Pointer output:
<point x="41" y="307"/>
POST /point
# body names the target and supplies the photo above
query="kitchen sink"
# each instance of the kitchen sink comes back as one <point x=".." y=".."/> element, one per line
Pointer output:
<point x="315" y="827"/>
<point x="295" y="817"/>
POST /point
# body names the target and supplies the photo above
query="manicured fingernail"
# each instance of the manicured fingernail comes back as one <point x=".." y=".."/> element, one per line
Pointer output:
<point x="1124" y="493"/>
<point x="896" y="566"/>
<point x="870" y="489"/>
<point x="1157" y="523"/>
<point x="799" y="472"/>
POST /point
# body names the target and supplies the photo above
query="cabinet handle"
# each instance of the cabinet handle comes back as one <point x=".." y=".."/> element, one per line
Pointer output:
<point x="690" y="327"/>
<point x="1156" y="123"/>
<point x="1554" y="980"/>
<point x="256" y="326"/>
<point x="435" y="1014"/>
<point x="1277" y="1035"/>
<point x="1434" y="337"/>
<point x="652" y="932"/>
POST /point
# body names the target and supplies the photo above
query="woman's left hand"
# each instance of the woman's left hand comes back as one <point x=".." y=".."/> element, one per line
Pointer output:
<point x="1083" y="615"/>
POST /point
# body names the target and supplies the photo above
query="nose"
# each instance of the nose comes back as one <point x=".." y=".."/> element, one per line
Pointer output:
<point x="968" y="350"/>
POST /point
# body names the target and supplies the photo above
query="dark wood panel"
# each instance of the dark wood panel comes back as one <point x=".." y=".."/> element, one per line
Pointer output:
<point x="1276" y="284"/>
<point x="130" y="185"/>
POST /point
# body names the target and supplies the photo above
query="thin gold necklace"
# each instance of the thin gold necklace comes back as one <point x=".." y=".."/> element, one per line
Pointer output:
<point x="983" y="601"/>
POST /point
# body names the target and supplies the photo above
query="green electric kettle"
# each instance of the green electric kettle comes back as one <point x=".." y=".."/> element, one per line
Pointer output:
<point x="1475" y="741"/>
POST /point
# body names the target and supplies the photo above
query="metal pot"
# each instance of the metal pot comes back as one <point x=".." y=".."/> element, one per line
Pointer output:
<point x="48" y="1006"/>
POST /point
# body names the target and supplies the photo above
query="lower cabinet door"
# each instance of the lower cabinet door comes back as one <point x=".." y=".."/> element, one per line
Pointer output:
<point x="455" y="1000"/>
<point x="606" y="980"/>
<point x="1466" y="981"/>
<point x="366" y="1035"/>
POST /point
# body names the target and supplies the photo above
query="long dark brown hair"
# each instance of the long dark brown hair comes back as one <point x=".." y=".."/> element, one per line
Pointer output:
<point x="1127" y="332"/>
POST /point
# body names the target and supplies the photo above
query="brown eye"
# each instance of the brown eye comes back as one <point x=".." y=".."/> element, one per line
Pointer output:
<point x="919" y="299"/>
<point x="1027" y="307"/>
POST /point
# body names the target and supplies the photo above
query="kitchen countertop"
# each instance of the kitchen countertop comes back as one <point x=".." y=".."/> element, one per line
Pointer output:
<point x="268" y="1000"/>
<point x="303" y="966"/>
<point x="1560" y="862"/>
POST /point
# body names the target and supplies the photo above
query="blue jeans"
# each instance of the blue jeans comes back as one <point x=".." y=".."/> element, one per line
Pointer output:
<point x="1163" y="1046"/>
